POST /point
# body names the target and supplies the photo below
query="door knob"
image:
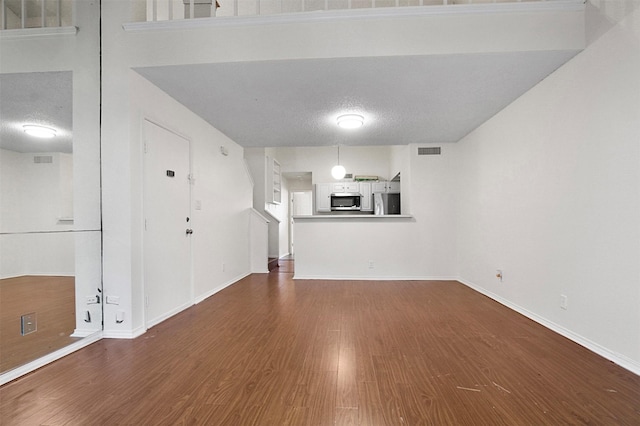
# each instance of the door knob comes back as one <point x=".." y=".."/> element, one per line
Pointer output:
<point x="189" y="231"/>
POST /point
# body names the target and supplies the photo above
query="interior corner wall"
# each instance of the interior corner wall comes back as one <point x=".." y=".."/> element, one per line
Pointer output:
<point x="430" y="183"/>
<point x="549" y="192"/>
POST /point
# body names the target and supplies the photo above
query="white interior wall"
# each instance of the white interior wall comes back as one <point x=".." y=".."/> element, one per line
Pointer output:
<point x="222" y="190"/>
<point x="324" y="38"/>
<point x="33" y="196"/>
<point x="431" y="191"/>
<point x="358" y="160"/>
<point x="283" y="235"/>
<point x="550" y="193"/>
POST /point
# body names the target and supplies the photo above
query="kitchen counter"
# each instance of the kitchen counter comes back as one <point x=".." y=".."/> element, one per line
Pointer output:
<point x="353" y="216"/>
<point x="358" y="247"/>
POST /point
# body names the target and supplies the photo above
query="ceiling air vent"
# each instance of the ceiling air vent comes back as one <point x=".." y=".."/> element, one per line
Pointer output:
<point x="435" y="150"/>
<point x="41" y="159"/>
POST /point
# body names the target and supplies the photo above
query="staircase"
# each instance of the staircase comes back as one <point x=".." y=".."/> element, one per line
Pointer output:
<point x="273" y="263"/>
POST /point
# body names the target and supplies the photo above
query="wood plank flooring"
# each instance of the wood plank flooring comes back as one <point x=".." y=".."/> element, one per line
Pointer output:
<point x="271" y="351"/>
<point x="52" y="298"/>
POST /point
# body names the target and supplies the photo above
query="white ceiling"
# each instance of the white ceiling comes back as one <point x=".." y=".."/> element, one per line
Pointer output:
<point x="43" y="98"/>
<point x="415" y="99"/>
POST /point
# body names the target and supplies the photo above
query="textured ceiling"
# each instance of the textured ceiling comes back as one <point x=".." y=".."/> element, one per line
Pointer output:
<point x="415" y="99"/>
<point x="418" y="99"/>
<point x="43" y="98"/>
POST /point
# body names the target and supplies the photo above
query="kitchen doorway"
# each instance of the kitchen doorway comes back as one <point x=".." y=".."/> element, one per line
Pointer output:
<point x="301" y="205"/>
<point x="300" y="189"/>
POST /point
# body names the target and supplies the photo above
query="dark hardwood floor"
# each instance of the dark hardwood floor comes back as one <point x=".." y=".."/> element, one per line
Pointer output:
<point x="271" y="351"/>
<point x="52" y="300"/>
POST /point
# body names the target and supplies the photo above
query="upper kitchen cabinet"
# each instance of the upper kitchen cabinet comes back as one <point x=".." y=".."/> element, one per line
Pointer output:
<point x="385" y="186"/>
<point x="344" y="187"/>
<point x="273" y="193"/>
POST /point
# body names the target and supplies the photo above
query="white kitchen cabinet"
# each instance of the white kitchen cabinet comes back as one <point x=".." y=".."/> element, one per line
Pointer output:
<point x="323" y="197"/>
<point x="393" y="186"/>
<point x="385" y="186"/>
<point x="379" y="186"/>
<point x="344" y="187"/>
<point x="273" y="193"/>
<point x="366" y="202"/>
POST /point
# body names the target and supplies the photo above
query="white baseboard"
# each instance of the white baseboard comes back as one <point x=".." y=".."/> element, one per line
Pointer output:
<point x="221" y="287"/>
<point x="10" y="375"/>
<point x="623" y="361"/>
<point x="79" y="332"/>
<point x="124" y="334"/>
<point x="168" y="315"/>
<point x="371" y="278"/>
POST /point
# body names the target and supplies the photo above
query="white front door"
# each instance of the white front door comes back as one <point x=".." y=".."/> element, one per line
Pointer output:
<point x="167" y="235"/>
<point x="301" y="205"/>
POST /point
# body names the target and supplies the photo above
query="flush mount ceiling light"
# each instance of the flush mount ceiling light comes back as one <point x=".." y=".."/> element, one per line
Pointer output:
<point x="350" y="121"/>
<point x="39" y="131"/>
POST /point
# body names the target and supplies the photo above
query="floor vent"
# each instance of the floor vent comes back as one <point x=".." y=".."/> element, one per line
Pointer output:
<point x="41" y="159"/>
<point x="429" y="150"/>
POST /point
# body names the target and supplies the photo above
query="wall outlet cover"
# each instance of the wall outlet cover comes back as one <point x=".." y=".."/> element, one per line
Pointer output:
<point x="28" y="323"/>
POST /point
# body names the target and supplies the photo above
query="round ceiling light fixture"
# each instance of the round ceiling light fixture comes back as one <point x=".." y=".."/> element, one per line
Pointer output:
<point x="39" y="131"/>
<point x="350" y="121"/>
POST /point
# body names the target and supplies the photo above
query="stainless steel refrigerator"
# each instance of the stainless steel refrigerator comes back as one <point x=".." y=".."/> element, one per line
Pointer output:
<point x="386" y="203"/>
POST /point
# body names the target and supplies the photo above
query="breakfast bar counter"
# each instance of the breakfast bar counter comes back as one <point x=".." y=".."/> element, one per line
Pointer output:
<point x="369" y="247"/>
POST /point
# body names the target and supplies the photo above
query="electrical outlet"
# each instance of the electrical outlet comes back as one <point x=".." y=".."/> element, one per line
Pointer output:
<point x="371" y="264"/>
<point x="563" y="302"/>
<point x="223" y="267"/>
<point x="499" y="274"/>
<point x="28" y="323"/>
<point x="112" y="300"/>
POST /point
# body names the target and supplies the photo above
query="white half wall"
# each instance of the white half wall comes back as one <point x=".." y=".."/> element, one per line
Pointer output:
<point x="550" y="193"/>
<point x="370" y="248"/>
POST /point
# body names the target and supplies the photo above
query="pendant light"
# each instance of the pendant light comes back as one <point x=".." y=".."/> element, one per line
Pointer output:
<point x="338" y="172"/>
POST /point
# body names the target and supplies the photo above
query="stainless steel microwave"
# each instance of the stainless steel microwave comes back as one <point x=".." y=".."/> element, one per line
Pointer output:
<point x="345" y="201"/>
